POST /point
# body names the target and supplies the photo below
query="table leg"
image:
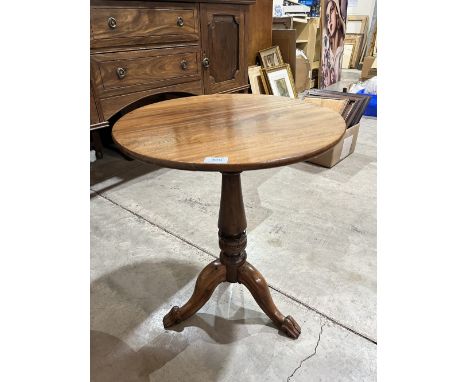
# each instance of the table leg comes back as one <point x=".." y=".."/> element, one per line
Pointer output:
<point x="258" y="287"/>
<point x="209" y="278"/>
<point x="232" y="265"/>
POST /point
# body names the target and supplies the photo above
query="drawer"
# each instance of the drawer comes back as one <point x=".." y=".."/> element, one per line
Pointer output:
<point x="134" y="70"/>
<point x="114" y="26"/>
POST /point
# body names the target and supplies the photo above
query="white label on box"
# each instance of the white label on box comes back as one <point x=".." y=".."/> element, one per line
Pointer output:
<point x="346" y="147"/>
<point x="219" y="160"/>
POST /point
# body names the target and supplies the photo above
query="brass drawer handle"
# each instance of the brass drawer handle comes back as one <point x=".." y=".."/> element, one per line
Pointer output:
<point x="121" y="72"/>
<point x="112" y="22"/>
<point x="206" y="62"/>
<point x="184" y="64"/>
<point x="180" y="21"/>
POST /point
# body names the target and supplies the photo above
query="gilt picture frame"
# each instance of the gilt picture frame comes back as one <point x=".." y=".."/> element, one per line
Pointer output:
<point x="271" y="57"/>
<point x="281" y="81"/>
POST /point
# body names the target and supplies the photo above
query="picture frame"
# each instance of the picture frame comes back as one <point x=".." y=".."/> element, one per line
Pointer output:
<point x="338" y="105"/>
<point x="357" y="24"/>
<point x="349" y="111"/>
<point x="348" y="50"/>
<point x="271" y="57"/>
<point x="361" y="101"/>
<point x="281" y="81"/>
<point x="355" y="108"/>
<point x="355" y="39"/>
<point x="257" y="80"/>
<point x="372" y="47"/>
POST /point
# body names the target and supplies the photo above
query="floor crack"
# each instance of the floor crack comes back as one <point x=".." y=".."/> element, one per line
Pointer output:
<point x="309" y="356"/>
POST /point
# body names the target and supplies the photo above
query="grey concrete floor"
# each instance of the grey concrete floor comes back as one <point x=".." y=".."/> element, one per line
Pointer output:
<point x="312" y="234"/>
<point x="348" y="77"/>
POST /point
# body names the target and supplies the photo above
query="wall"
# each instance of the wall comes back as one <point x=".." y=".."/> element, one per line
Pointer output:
<point x="362" y="7"/>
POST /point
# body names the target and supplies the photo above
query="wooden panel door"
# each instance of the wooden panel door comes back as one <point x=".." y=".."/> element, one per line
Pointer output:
<point x="223" y="47"/>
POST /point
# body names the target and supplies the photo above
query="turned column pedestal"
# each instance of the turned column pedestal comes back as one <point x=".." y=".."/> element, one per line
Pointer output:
<point x="232" y="265"/>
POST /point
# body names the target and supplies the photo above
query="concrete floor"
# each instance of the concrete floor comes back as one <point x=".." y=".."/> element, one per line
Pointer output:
<point x="348" y="77"/>
<point x="312" y="233"/>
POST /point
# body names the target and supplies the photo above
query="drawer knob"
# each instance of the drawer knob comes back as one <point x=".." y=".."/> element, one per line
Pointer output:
<point x="180" y="21"/>
<point x="112" y="22"/>
<point x="206" y="62"/>
<point x="184" y="64"/>
<point x="121" y="72"/>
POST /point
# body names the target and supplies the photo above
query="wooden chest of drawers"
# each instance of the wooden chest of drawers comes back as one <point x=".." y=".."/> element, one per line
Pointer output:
<point x="143" y="48"/>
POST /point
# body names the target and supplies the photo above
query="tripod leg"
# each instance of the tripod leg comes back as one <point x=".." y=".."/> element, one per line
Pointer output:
<point x="209" y="278"/>
<point x="257" y="285"/>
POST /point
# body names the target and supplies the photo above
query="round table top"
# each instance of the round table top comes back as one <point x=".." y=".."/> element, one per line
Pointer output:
<point x="228" y="132"/>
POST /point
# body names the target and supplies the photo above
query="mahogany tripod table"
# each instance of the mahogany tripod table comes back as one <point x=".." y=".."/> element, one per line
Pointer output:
<point x="229" y="133"/>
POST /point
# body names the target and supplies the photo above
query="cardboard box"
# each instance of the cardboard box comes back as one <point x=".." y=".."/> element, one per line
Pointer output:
<point x="341" y="150"/>
<point x="303" y="73"/>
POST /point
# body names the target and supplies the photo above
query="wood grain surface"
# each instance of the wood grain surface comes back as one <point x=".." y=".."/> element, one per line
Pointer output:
<point x="251" y="131"/>
<point x="144" y="22"/>
<point x="259" y="21"/>
<point x="145" y="67"/>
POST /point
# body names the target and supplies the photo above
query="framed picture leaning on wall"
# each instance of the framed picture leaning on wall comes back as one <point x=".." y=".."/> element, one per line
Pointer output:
<point x="280" y="81"/>
<point x="356" y="40"/>
<point x="271" y="57"/>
